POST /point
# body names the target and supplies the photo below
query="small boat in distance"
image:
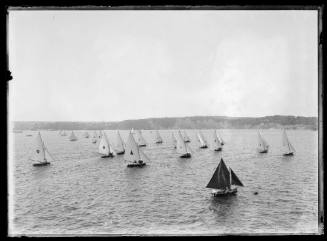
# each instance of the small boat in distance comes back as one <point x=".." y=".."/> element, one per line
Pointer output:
<point x="86" y="134"/>
<point x="140" y="139"/>
<point x="41" y="153"/>
<point x="182" y="147"/>
<point x="94" y="137"/>
<point x="220" y="139"/>
<point x="262" y="144"/>
<point x="186" y="138"/>
<point x="222" y="181"/>
<point x="120" y="149"/>
<point x="217" y="143"/>
<point x="288" y="149"/>
<point x="174" y="140"/>
<point x="133" y="154"/>
<point x="158" y="137"/>
<point x="203" y="142"/>
<point x="63" y="133"/>
<point x="105" y="148"/>
<point x="72" y="137"/>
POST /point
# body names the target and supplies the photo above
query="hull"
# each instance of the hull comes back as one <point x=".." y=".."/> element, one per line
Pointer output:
<point x="288" y="154"/>
<point x="224" y="193"/>
<point x="204" y="147"/>
<point x="142" y="145"/>
<point x="41" y="164"/>
<point x="121" y="153"/>
<point x="73" y="140"/>
<point x="136" y="164"/>
<point x="106" y="156"/>
<point x="158" y="142"/>
<point x="218" y="149"/>
<point x="186" y="155"/>
<point x="262" y="151"/>
<point x="187" y="141"/>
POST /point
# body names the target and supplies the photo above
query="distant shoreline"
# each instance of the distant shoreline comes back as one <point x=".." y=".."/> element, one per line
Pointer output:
<point x="192" y="122"/>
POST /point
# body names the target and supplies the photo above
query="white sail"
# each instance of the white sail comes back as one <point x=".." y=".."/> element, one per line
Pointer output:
<point x="219" y="138"/>
<point x="86" y="134"/>
<point x="201" y="139"/>
<point x="72" y="136"/>
<point x="39" y="150"/>
<point x="287" y="146"/>
<point x="186" y="138"/>
<point x="217" y="143"/>
<point x="132" y="151"/>
<point x="63" y="133"/>
<point x="158" y="137"/>
<point x="262" y="144"/>
<point x="181" y="147"/>
<point x="104" y="146"/>
<point x="174" y="140"/>
<point x="120" y="143"/>
<point x="140" y="139"/>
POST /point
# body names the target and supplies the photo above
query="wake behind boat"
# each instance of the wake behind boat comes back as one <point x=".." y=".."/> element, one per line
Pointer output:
<point x="222" y="181"/>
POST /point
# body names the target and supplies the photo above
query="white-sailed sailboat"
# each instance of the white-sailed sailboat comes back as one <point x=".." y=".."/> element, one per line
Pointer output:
<point x="288" y="149"/>
<point x="140" y="139"/>
<point x="219" y="138"/>
<point x="262" y="144"/>
<point x="94" y="137"/>
<point x="217" y="142"/>
<point x="186" y="138"/>
<point x="120" y="149"/>
<point x="158" y="137"/>
<point x="105" y="147"/>
<point x="133" y="154"/>
<point x="202" y="140"/>
<point x="72" y="137"/>
<point x="86" y="134"/>
<point x="41" y="155"/>
<point x="174" y="140"/>
<point x="222" y="181"/>
<point x="182" y="147"/>
<point x="63" y="133"/>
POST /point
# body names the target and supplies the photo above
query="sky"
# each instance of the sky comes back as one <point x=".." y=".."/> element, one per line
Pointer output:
<point x="113" y="65"/>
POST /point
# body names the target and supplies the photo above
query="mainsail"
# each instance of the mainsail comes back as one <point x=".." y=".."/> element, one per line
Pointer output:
<point x="39" y="153"/>
<point x="120" y="143"/>
<point x="181" y="146"/>
<point x="174" y="140"/>
<point x="132" y="151"/>
<point x="158" y="137"/>
<point x="287" y="146"/>
<point x="219" y="138"/>
<point x="186" y="138"/>
<point x="220" y="178"/>
<point x="141" y="141"/>
<point x="104" y="146"/>
<point x="217" y="142"/>
<point x="262" y="144"/>
<point x="201" y="139"/>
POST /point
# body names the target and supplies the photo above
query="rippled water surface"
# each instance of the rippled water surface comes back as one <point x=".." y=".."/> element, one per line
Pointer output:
<point x="81" y="193"/>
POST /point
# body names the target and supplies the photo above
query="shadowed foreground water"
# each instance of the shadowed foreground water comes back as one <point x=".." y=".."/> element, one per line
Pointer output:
<point x="81" y="193"/>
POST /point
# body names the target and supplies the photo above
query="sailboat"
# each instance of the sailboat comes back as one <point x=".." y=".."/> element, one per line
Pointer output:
<point x="158" y="137"/>
<point x="105" y="148"/>
<point x="288" y="149"/>
<point x="72" y="137"/>
<point x="63" y="133"/>
<point x="133" y="154"/>
<point x="220" y="139"/>
<point x="86" y="134"/>
<point x="217" y="142"/>
<point x="182" y="147"/>
<point x="222" y="181"/>
<point x="41" y="154"/>
<point x="203" y="142"/>
<point x="120" y="145"/>
<point x="174" y="140"/>
<point x="94" y="137"/>
<point x="262" y="144"/>
<point x="140" y="139"/>
<point x="186" y="138"/>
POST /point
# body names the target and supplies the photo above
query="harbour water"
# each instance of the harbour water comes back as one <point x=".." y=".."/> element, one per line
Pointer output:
<point x="81" y="193"/>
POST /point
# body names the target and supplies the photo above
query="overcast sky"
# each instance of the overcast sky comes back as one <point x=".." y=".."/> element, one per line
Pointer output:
<point x="116" y="65"/>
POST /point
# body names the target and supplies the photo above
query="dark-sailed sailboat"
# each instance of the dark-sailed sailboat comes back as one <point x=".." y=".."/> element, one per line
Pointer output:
<point x="222" y="181"/>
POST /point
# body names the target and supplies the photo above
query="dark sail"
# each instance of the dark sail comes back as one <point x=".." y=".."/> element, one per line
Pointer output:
<point x="221" y="177"/>
<point x="235" y="180"/>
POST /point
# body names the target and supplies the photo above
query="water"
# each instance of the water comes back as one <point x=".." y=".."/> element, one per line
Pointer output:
<point x="81" y="193"/>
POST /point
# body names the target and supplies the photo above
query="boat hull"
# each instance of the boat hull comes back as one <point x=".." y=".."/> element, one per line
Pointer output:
<point x="41" y="164"/>
<point x="224" y="193"/>
<point x="288" y="154"/>
<point x="204" y="147"/>
<point x="186" y="155"/>
<point x="262" y="151"/>
<point x="158" y="142"/>
<point x="187" y="141"/>
<point x="121" y="153"/>
<point x="107" y="156"/>
<point x="142" y="145"/>
<point x="218" y="149"/>
<point x="136" y="164"/>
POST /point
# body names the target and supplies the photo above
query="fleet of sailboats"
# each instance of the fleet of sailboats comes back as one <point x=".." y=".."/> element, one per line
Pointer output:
<point x="262" y="144"/>
<point x="223" y="180"/>
<point x="105" y="148"/>
<point x="202" y="140"/>
<point x="288" y="149"/>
